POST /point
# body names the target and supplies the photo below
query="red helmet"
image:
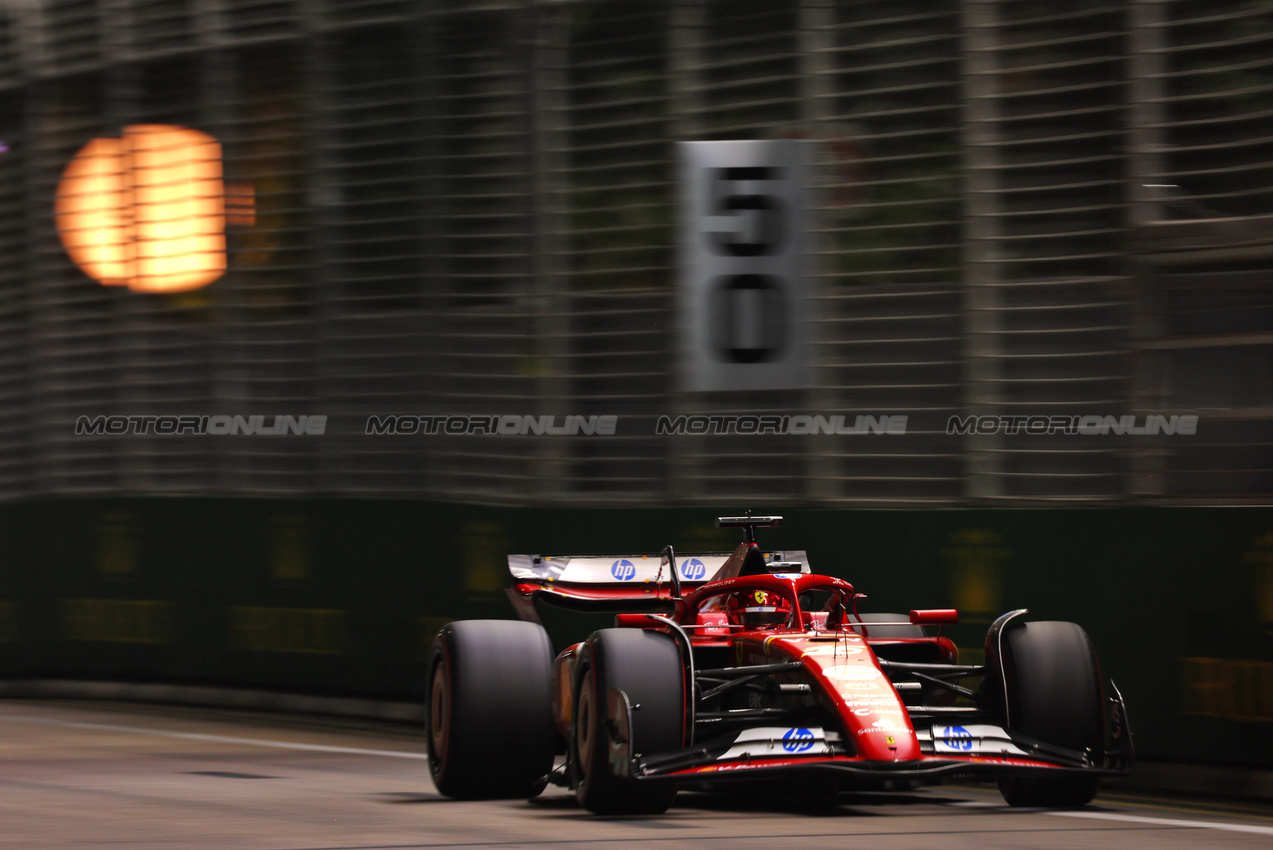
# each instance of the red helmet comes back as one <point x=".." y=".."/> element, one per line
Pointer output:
<point x="755" y="609"/>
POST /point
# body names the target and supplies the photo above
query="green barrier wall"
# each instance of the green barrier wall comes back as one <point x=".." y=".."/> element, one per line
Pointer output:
<point x="342" y="596"/>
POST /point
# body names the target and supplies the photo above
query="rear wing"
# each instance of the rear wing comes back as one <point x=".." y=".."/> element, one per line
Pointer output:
<point x="622" y="583"/>
<point x="618" y="570"/>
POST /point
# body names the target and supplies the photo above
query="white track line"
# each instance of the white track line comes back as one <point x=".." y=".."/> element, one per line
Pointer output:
<point x="216" y="739"/>
<point x="1183" y="824"/>
<point x="361" y="751"/>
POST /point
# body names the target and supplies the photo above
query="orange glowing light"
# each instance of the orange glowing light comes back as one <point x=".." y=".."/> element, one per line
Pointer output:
<point x="147" y="210"/>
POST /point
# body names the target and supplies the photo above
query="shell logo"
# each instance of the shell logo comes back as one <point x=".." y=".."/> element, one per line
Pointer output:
<point x="833" y="650"/>
<point x="148" y="210"/>
<point x="850" y="672"/>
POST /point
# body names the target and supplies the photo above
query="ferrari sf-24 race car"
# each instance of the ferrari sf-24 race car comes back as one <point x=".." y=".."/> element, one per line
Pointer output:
<point x="747" y="666"/>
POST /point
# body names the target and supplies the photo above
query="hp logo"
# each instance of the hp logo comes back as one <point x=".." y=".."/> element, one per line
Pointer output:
<point x="692" y="569"/>
<point x="959" y="738"/>
<point x="797" y="740"/>
<point x="623" y="570"/>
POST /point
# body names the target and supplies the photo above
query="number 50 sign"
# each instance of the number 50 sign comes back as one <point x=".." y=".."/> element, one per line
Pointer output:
<point x="741" y="294"/>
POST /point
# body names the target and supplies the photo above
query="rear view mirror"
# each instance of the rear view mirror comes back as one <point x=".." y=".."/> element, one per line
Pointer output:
<point x="935" y="617"/>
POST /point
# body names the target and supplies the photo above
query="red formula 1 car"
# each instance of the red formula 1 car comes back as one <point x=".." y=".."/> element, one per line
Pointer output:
<point x="749" y="667"/>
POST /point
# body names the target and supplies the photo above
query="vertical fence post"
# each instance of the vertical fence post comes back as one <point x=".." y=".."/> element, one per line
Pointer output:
<point x="550" y="297"/>
<point x="435" y="207"/>
<point x="982" y="261"/>
<point x="817" y="69"/>
<point x="217" y="94"/>
<point x="323" y="194"/>
<point x="685" y="61"/>
<point x="45" y="311"/>
<point x="1145" y="65"/>
<point x="431" y="301"/>
<point x="121" y="101"/>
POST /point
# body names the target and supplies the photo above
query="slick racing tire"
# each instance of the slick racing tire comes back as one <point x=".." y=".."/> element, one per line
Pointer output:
<point x="490" y="728"/>
<point x="1054" y="694"/>
<point x="905" y="630"/>
<point x="647" y="667"/>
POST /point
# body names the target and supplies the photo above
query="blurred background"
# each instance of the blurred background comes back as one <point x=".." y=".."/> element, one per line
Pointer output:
<point x="1016" y="207"/>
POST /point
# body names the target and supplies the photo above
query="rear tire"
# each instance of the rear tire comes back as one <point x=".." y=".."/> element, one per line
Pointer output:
<point x="490" y="728"/>
<point x="647" y="666"/>
<point x="1054" y="694"/>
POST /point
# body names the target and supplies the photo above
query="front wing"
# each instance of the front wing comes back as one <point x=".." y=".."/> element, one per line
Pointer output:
<point x="990" y="752"/>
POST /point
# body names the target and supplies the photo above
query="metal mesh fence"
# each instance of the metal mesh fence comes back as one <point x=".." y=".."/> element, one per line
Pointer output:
<point x="1050" y="245"/>
<point x="1018" y="208"/>
<point x="1202" y="325"/>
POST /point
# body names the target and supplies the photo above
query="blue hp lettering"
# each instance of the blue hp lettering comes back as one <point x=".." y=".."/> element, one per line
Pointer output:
<point x="623" y="570"/>
<point x="692" y="569"/>
<point x="797" y="740"/>
<point x="958" y="737"/>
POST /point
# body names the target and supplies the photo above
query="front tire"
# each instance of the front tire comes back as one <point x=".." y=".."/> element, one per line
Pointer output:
<point x="490" y="728"/>
<point x="1054" y="694"/>
<point x="647" y="666"/>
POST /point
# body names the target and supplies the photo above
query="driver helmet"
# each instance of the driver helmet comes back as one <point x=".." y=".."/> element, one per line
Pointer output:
<point x="755" y="609"/>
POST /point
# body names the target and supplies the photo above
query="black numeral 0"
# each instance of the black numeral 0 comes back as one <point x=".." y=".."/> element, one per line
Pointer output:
<point x="726" y="302"/>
